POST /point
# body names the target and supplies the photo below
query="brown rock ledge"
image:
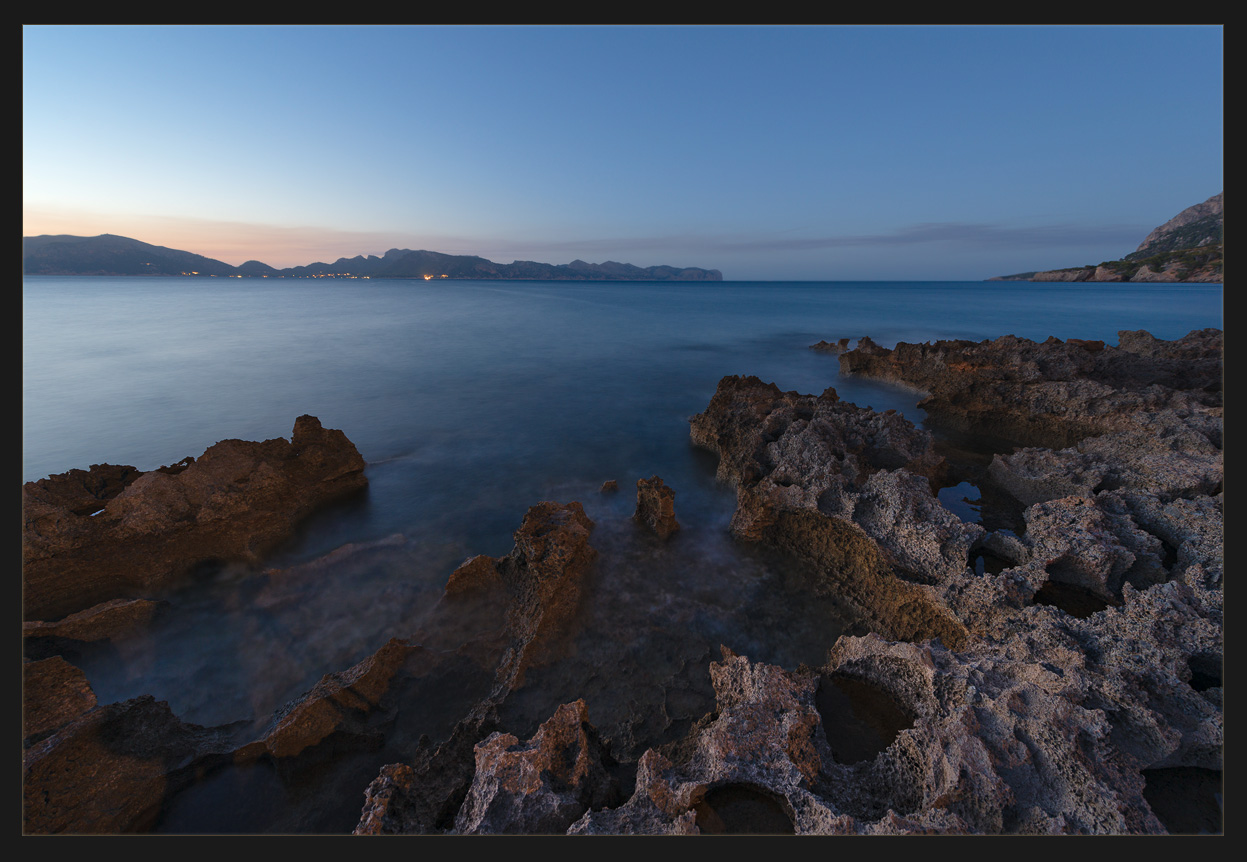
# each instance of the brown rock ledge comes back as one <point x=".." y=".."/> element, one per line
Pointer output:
<point x="113" y="532"/>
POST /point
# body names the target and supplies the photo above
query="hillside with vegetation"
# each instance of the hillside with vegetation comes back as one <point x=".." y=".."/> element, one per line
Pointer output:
<point x="1187" y="248"/>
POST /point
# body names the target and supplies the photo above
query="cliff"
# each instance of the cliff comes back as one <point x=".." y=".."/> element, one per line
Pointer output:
<point x="1187" y="248"/>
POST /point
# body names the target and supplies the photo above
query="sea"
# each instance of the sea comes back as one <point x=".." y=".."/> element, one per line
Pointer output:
<point x="471" y="401"/>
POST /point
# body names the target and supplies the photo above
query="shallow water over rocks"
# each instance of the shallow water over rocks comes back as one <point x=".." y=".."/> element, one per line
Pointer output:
<point x="462" y="432"/>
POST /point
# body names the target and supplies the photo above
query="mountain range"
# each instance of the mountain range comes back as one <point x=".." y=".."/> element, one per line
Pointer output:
<point x="107" y="254"/>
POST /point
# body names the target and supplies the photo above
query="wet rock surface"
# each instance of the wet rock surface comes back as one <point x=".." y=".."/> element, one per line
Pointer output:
<point x="655" y="507"/>
<point x="110" y="769"/>
<point x="1070" y="682"/>
<point x="113" y="532"/>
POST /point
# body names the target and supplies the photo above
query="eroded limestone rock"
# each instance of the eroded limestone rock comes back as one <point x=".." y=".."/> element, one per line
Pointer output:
<point x="542" y="786"/>
<point x="844" y="487"/>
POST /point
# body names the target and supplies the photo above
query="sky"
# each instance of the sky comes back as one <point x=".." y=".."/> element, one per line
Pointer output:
<point x="766" y="152"/>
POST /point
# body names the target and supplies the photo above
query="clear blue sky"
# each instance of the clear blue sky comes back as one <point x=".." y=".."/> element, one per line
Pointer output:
<point x="764" y="152"/>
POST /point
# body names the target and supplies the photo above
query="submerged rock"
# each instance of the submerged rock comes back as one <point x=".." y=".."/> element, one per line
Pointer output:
<point x="113" y="532"/>
<point x="110" y="769"/>
<point x="339" y="704"/>
<point x="531" y="596"/>
<point x="105" y="621"/>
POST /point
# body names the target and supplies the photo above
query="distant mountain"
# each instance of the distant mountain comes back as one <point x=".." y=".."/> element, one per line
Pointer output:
<point x="112" y="255"/>
<point x="1188" y="247"/>
<point x="118" y="255"/>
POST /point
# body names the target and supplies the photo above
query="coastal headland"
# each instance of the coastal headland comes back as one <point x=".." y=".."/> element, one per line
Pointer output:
<point x="1187" y="248"/>
<point x="1054" y="668"/>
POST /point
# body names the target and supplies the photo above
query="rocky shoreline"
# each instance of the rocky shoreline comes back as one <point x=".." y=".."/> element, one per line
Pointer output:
<point x="1063" y="677"/>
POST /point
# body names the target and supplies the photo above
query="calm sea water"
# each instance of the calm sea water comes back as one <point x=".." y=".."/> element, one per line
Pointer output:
<point x="471" y="401"/>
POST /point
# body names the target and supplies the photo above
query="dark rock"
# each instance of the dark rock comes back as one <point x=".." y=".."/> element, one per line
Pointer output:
<point x="655" y="507"/>
<point x="338" y="704"/>
<point x="54" y="693"/>
<point x="106" y="621"/>
<point x="827" y="347"/>
<point x="111" y="769"/>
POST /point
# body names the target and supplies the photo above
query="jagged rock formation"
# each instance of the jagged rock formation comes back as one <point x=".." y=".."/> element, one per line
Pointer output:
<point x="114" y="532"/>
<point x="845" y="487"/>
<point x="107" y="769"/>
<point x="1067" y="691"/>
<point x="655" y="507"/>
<point x="828" y="347"/>
<point x="533" y="593"/>
<point x="540" y="787"/>
<point x="1073" y="688"/>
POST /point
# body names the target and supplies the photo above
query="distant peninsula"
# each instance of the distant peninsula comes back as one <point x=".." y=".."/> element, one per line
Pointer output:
<point x="107" y="254"/>
<point x="1188" y="247"/>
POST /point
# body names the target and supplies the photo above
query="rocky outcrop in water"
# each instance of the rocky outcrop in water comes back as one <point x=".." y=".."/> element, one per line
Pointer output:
<point x="1056" y="393"/>
<point x="533" y="594"/>
<point x="828" y="347"/>
<point x="110" y="768"/>
<point x="845" y="487"/>
<point x="1074" y="686"/>
<point x="497" y="618"/>
<point x="1074" y="689"/>
<point x="1082" y="679"/>
<point x="541" y="579"/>
<point x="655" y="507"/>
<point x="114" y="532"/>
